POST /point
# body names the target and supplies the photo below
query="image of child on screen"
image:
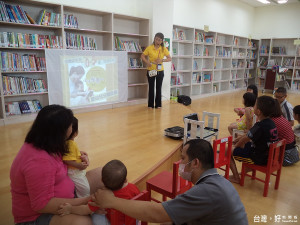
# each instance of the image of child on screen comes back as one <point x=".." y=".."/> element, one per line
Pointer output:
<point x="78" y="94"/>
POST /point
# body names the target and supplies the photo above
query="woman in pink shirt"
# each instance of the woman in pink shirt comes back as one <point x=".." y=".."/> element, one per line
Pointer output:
<point x="39" y="180"/>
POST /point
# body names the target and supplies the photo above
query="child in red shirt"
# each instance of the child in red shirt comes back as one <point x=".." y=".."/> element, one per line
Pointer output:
<point x="114" y="177"/>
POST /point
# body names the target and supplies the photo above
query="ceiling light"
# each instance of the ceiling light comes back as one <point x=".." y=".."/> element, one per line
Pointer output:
<point x="282" y="1"/>
<point x="264" y="1"/>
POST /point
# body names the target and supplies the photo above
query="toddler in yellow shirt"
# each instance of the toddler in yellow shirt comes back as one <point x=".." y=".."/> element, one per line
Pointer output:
<point x="76" y="166"/>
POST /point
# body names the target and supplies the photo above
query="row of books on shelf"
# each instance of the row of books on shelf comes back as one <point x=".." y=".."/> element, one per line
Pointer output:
<point x="250" y="64"/>
<point x="263" y="62"/>
<point x="13" y="85"/>
<point x="278" y="51"/>
<point x="199" y="52"/>
<point x="177" y="80"/>
<point x="223" y="53"/>
<point x="295" y="85"/>
<point x="16" y="14"/>
<point x="252" y="44"/>
<point x="208" y="39"/>
<point x="195" y="65"/>
<point x="196" y="78"/>
<point x="22" y="107"/>
<point x="22" y="40"/>
<point x="135" y="63"/>
<point x="199" y="36"/>
<point x="264" y="49"/>
<point x="288" y="62"/>
<point x="238" y="64"/>
<point x="179" y="34"/>
<point x="205" y="38"/>
<point x="70" y="21"/>
<point x="232" y="85"/>
<point x="129" y="46"/>
<point x="13" y="13"/>
<point x="236" y="41"/>
<point x="47" y="18"/>
<point x="173" y="68"/>
<point x="235" y="75"/>
<point x="16" y="62"/>
<point x="236" y="54"/>
<point x="81" y="42"/>
<point x="251" y="54"/>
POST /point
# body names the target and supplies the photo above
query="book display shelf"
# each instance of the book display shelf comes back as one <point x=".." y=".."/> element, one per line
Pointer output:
<point x="210" y="62"/>
<point x="281" y="52"/>
<point x="28" y="27"/>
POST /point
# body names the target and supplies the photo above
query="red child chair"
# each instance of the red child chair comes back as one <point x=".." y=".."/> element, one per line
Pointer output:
<point x="114" y="215"/>
<point x="275" y="159"/>
<point x="168" y="184"/>
<point x="221" y="156"/>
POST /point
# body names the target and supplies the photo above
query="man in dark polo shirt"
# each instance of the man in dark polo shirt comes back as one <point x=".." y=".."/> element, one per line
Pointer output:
<point x="212" y="199"/>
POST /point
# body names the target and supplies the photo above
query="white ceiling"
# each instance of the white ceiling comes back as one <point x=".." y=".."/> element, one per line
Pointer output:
<point x="255" y="3"/>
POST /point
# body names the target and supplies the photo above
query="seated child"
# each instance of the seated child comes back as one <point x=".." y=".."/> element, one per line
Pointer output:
<point x="296" y="112"/>
<point x="114" y="177"/>
<point x="245" y="122"/>
<point x="252" y="89"/>
<point x="253" y="147"/>
<point x="76" y="167"/>
<point x="286" y="107"/>
<point x="285" y="131"/>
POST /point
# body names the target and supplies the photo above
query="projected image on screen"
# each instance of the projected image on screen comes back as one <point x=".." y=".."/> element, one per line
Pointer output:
<point x="80" y="79"/>
<point x="92" y="81"/>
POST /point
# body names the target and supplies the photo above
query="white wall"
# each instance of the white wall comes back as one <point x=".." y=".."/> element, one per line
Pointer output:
<point x="138" y="8"/>
<point x="225" y="16"/>
<point x="162" y="21"/>
<point x="277" y="21"/>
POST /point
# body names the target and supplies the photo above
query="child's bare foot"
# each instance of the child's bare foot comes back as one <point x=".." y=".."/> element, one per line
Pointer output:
<point x="233" y="179"/>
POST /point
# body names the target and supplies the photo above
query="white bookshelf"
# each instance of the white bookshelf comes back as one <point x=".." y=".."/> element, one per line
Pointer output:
<point x="220" y="62"/>
<point x="284" y="53"/>
<point x="100" y="26"/>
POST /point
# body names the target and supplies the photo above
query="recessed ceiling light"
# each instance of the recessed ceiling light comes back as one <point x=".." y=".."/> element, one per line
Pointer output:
<point x="282" y="1"/>
<point x="264" y="1"/>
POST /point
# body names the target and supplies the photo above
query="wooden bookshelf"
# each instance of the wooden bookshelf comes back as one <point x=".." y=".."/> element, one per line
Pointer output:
<point x="133" y="29"/>
<point x="100" y="26"/>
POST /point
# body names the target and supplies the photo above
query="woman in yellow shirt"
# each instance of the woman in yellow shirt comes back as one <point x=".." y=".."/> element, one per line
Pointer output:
<point x="153" y="56"/>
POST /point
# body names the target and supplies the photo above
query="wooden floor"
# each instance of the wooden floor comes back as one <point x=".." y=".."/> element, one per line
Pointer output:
<point x="135" y="135"/>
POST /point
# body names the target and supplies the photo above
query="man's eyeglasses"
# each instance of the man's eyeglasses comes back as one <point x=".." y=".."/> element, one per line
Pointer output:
<point x="279" y="97"/>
